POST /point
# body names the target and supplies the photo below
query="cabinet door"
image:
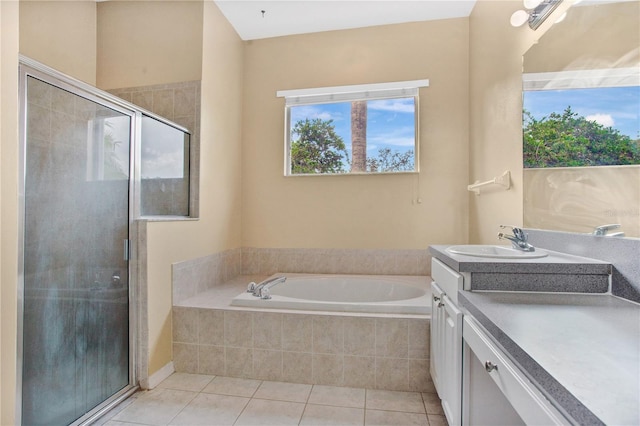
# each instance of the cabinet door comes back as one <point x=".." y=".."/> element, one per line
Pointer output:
<point x="437" y="337"/>
<point x="451" y="377"/>
<point x="496" y="390"/>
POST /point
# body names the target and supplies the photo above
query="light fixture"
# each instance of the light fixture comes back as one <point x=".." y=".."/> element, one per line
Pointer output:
<point x="561" y="18"/>
<point x="531" y="4"/>
<point x="519" y="17"/>
<point x="536" y="12"/>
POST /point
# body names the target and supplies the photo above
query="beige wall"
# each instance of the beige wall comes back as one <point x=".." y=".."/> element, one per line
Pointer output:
<point x="596" y="36"/>
<point x="220" y="175"/>
<point x="9" y="207"/>
<point x="61" y="34"/>
<point x="385" y="211"/>
<point x="148" y="42"/>
<point x="495" y="93"/>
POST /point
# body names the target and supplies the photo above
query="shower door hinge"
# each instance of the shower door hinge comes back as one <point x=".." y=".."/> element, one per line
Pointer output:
<point x="127" y="249"/>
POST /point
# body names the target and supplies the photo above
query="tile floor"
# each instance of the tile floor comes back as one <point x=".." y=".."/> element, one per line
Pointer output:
<point x="194" y="399"/>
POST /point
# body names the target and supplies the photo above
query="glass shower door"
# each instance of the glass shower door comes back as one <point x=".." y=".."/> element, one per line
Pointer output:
<point x="76" y="278"/>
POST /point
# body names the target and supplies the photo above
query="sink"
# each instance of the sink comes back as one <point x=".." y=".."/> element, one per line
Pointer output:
<point x="497" y="252"/>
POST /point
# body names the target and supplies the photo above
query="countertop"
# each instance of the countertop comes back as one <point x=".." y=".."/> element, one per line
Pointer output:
<point x="556" y="272"/>
<point x="589" y="367"/>
<point x="554" y="263"/>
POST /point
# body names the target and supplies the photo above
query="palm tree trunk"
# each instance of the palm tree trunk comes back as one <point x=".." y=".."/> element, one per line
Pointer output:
<point x="359" y="136"/>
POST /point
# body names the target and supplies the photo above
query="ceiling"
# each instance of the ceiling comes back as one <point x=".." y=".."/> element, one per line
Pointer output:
<point x="281" y="18"/>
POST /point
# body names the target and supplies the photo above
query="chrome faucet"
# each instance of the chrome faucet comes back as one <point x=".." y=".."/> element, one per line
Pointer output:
<point x="604" y="229"/>
<point x="518" y="239"/>
<point x="262" y="290"/>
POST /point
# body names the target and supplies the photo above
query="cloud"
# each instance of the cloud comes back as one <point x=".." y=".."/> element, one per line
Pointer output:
<point x="400" y="136"/>
<point x="156" y="164"/>
<point x="605" y="120"/>
<point x="313" y="112"/>
<point x="405" y="105"/>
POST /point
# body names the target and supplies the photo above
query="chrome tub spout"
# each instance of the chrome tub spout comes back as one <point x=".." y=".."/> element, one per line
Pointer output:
<point x="262" y="290"/>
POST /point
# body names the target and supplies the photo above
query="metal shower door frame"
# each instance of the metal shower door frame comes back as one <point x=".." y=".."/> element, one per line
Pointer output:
<point x="31" y="68"/>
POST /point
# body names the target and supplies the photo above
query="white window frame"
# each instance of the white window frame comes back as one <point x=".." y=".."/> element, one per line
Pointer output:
<point x="350" y="93"/>
<point x="581" y="79"/>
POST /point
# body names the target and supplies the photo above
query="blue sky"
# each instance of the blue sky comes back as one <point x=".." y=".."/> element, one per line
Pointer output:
<point x="390" y="122"/>
<point x="617" y="107"/>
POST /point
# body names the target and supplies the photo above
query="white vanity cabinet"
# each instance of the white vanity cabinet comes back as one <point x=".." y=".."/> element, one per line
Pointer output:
<point x="495" y="390"/>
<point x="446" y="339"/>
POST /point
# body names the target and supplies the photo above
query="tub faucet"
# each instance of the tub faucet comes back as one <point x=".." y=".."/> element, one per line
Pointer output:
<point x="604" y="230"/>
<point x="262" y="290"/>
<point x="518" y="239"/>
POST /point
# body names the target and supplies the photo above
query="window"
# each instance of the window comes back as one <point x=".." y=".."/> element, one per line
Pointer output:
<point x="164" y="169"/>
<point x="352" y="129"/>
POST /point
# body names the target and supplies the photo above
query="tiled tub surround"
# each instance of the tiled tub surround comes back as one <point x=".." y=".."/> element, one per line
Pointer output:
<point x="357" y="350"/>
<point x="361" y="350"/>
<point x="194" y="276"/>
<point x="335" y="261"/>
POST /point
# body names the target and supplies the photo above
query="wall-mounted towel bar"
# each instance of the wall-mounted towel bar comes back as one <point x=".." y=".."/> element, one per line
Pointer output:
<point x="503" y="180"/>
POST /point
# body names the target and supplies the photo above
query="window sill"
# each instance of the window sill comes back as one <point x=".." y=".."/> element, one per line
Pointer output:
<point x="167" y="219"/>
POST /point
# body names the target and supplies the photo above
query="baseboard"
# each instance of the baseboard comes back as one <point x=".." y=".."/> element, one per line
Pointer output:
<point x="156" y="378"/>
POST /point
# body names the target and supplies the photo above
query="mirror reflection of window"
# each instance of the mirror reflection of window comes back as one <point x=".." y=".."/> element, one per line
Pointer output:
<point x="581" y="122"/>
<point x="581" y="127"/>
<point x="164" y="169"/>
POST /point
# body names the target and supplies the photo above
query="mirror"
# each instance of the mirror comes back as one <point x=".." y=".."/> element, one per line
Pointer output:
<point x="581" y="122"/>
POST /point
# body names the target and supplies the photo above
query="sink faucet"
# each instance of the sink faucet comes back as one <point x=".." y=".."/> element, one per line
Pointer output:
<point x="262" y="290"/>
<point x="518" y="239"/>
<point x="604" y="229"/>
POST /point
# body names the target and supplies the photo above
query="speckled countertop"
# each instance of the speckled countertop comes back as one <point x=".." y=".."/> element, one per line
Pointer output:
<point x="556" y="272"/>
<point x="589" y="367"/>
<point x="554" y="263"/>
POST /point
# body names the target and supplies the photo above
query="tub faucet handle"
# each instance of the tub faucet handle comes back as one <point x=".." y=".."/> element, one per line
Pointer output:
<point x="265" y="294"/>
<point x="251" y="287"/>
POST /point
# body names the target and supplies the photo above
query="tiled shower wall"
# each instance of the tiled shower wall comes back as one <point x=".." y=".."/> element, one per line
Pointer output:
<point x="197" y="275"/>
<point x="180" y="103"/>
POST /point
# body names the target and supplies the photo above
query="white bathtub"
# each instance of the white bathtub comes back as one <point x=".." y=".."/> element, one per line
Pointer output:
<point x="346" y="293"/>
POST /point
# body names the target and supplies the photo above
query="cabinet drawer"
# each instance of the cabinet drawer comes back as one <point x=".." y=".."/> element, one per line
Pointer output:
<point x="449" y="280"/>
<point x="524" y="397"/>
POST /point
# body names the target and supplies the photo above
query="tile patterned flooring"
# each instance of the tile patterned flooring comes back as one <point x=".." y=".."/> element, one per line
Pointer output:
<point x="195" y="399"/>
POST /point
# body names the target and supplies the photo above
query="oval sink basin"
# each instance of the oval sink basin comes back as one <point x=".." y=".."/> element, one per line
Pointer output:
<point x="498" y="252"/>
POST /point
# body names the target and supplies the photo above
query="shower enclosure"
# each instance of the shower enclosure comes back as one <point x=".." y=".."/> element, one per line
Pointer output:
<point x="76" y="298"/>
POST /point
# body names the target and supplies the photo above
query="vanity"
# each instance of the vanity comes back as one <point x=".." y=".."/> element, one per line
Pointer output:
<point x="532" y="340"/>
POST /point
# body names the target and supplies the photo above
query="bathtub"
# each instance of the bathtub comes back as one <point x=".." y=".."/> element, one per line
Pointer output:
<point x="346" y="293"/>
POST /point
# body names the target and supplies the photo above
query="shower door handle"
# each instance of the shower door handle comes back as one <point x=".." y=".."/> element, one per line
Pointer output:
<point x="127" y="249"/>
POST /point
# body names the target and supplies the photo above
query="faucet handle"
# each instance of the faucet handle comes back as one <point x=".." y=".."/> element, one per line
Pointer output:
<point x="602" y="230"/>
<point x="520" y="234"/>
<point x="265" y="294"/>
<point x="517" y="232"/>
<point x="251" y="288"/>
